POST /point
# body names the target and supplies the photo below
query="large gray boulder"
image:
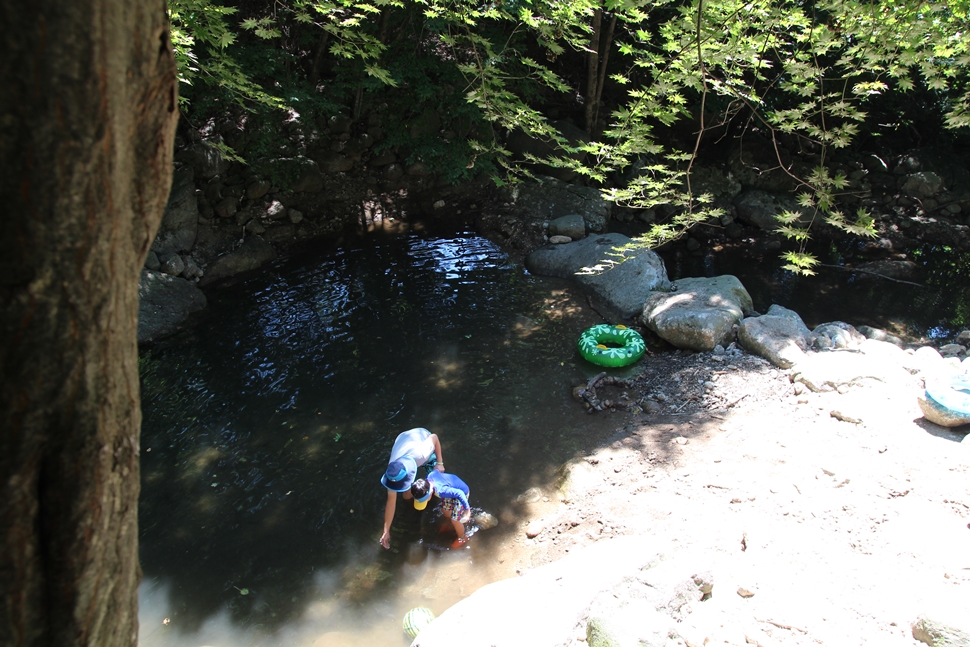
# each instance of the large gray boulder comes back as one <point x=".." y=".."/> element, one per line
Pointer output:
<point x="309" y="180"/>
<point x="333" y="162"/>
<point x="701" y="314"/>
<point x="180" y="224"/>
<point x="776" y="310"/>
<point x="881" y="335"/>
<point x="623" y="286"/>
<point x="872" y="361"/>
<point x="253" y="253"/>
<point x="836" y="334"/>
<point x="928" y="361"/>
<point x="781" y="337"/>
<point x="164" y="302"/>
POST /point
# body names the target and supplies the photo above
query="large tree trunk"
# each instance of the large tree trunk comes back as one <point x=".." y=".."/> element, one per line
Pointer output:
<point x="87" y="118"/>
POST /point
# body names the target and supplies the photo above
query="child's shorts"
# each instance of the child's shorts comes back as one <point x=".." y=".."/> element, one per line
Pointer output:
<point x="452" y="508"/>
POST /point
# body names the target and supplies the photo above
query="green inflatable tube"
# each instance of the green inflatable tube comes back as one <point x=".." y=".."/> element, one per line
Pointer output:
<point x="606" y="345"/>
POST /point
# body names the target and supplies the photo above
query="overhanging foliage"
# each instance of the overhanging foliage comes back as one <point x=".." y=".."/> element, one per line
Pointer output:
<point x="802" y="72"/>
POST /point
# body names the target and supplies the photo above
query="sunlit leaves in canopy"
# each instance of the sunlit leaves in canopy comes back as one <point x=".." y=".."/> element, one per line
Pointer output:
<point x="805" y="71"/>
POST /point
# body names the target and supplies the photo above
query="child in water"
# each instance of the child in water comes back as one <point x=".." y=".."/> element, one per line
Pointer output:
<point x="453" y="494"/>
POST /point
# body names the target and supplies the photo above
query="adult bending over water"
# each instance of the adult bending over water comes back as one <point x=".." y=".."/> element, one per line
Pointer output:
<point x="413" y="448"/>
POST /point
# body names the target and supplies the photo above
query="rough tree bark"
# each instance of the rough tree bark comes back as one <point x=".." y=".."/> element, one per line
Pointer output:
<point x="87" y="119"/>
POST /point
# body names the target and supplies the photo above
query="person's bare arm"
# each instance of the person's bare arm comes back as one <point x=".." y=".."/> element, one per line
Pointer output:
<point x="388" y="518"/>
<point x="440" y="465"/>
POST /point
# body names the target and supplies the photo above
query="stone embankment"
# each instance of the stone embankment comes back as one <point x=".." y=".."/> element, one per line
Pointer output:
<point x="714" y="313"/>
<point x="225" y="218"/>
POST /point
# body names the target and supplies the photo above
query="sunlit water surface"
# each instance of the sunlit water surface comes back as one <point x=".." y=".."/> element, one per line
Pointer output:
<point x="268" y="422"/>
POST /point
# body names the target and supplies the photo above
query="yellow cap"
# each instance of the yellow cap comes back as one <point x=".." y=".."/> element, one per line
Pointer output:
<point x="422" y="503"/>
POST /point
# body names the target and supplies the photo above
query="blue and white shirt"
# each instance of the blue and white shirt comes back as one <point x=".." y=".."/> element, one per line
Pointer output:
<point x="449" y="486"/>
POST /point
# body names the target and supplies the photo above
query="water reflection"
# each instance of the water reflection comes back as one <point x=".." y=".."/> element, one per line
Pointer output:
<point x="268" y="423"/>
<point x="935" y="305"/>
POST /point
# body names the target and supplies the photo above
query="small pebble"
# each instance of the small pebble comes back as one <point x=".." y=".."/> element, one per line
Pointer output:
<point x="534" y="529"/>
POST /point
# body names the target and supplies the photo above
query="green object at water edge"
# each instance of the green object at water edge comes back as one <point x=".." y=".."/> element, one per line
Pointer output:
<point x="417" y="619"/>
<point x="612" y="346"/>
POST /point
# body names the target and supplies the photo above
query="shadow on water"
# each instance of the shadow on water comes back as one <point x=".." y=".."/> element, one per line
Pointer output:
<point x="268" y="422"/>
<point x="933" y="302"/>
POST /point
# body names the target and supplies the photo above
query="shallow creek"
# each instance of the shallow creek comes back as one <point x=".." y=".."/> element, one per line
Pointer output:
<point x="267" y="425"/>
<point x="268" y="421"/>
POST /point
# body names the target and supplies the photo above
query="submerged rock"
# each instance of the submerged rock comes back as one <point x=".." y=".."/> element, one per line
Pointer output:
<point x="484" y="520"/>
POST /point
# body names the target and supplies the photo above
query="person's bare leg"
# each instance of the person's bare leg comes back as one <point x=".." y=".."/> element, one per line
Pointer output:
<point x="460" y="531"/>
<point x="459" y="528"/>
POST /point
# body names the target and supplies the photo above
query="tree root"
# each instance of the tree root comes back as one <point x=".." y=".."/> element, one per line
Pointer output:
<point x="587" y="394"/>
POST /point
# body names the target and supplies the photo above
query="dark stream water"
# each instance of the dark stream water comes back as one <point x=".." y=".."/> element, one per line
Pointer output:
<point x="268" y="421"/>
<point x="932" y="304"/>
<point x="267" y="426"/>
